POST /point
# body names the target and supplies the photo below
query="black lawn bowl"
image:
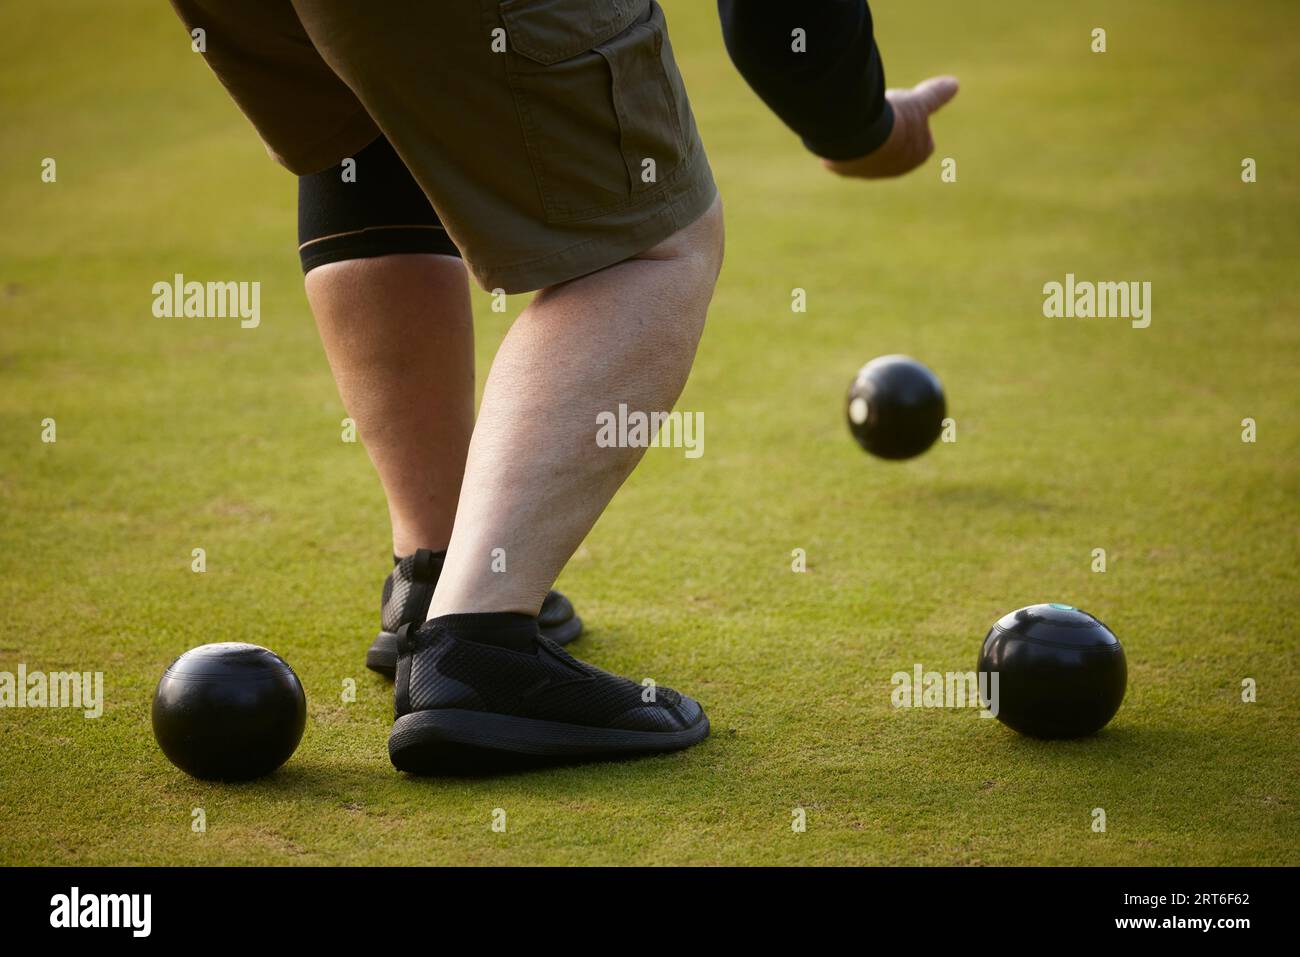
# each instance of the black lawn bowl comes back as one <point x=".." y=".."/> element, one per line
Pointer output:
<point x="229" y="711"/>
<point x="895" y="407"/>
<point x="1061" y="673"/>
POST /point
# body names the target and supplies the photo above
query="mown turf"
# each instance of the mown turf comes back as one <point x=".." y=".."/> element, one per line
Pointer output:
<point x="1072" y="435"/>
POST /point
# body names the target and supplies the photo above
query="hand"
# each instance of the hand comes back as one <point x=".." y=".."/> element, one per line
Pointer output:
<point x="910" y="142"/>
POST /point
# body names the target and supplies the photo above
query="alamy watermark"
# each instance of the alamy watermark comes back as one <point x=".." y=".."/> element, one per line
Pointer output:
<point x="211" y="300"/>
<point x="635" y="429"/>
<point x="1083" y="299"/>
<point x="75" y="909"/>
<point x="945" y="689"/>
<point x="83" y="690"/>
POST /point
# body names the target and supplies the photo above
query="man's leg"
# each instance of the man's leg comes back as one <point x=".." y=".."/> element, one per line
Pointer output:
<point x="398" y="333"/>
<point x="567" y="161"/>
<point x="399" y="336"/>
<point x="535" y="480"/>
<point x="391" y="298"/>
<point x="475" y="681"/>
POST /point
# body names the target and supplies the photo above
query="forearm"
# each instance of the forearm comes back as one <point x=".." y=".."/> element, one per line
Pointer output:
<point x="832" y="92"/>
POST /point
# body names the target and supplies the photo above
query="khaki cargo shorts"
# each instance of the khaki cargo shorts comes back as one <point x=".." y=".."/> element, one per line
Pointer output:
<point x="553" y="137"/>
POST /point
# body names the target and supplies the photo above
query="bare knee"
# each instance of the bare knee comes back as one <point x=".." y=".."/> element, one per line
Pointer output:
<point x="706" y="238"/>
<point x="661" y="295"/>
<point x="700" y="244"/>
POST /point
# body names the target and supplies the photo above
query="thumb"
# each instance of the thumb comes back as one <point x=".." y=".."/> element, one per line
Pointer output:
<point x="936" y="91"/>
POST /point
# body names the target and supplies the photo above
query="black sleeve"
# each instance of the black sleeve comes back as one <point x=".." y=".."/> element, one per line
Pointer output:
<point x="833" y="94"/>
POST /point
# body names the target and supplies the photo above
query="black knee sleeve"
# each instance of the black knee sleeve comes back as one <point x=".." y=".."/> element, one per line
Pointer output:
<point x="383" y="212"/>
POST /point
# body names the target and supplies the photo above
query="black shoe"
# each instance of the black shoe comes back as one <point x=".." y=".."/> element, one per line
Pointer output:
<point x="457" y="699"/>
<point x="408" y="590"/>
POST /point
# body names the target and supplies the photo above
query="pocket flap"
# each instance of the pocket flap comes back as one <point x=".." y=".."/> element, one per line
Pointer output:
<point x="548" y="31"/>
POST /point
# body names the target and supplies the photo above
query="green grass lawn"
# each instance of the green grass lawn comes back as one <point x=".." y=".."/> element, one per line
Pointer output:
<point x="1072" y="435"/>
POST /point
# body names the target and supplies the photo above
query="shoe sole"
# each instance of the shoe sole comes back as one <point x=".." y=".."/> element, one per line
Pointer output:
<point x="382" y="654"/>
<point x="427" y="742"/>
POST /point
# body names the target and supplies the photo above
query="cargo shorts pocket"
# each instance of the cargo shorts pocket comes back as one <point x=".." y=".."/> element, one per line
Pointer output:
<point x="599" y="99"/>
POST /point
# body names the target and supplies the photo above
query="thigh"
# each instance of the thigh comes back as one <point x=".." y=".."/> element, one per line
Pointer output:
<point x="554" y="137"/>
<point x="305" y="114"/>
